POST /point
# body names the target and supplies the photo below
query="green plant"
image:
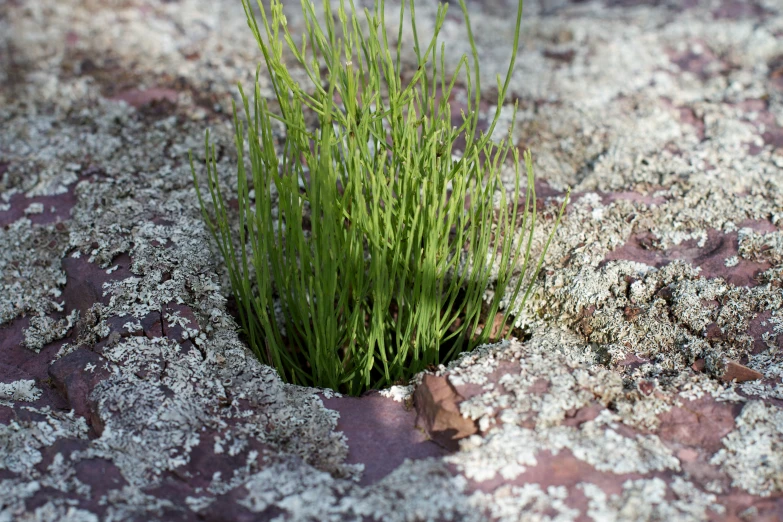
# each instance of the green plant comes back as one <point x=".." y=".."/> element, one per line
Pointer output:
<point x="382" y="241"/>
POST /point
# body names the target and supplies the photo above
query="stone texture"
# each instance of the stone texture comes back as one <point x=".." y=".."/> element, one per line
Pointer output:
<point x="76" y="375"/>
<point x="142" y="403"/>
<point x="710" y="256"/>
<point x="139" y="98"/>
<point x="85" y="281"/>
<point x="381" y="433"/>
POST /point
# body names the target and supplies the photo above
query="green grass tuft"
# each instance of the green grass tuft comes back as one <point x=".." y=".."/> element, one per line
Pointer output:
<point x="382" y="240"/>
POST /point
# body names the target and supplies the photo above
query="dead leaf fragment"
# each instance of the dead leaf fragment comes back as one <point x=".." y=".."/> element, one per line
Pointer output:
<point x="437" y="408"/>
<point x="735" y="371"/>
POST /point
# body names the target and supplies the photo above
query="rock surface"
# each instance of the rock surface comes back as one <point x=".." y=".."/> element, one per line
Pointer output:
<point x="651" y="386"/>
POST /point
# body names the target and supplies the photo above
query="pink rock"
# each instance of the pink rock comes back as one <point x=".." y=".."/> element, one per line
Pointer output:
<point x="701" y="423"/>
<point x="71" y="38"/>
<point x="758" y="327"/>
<point x="687" y="115"/>
<point x="711" y="257"/>
<point x="701" y="64"/>
<point x="629" y="195"/>
<point x="646" y="387"/>
<point x="152" y="324"/>
<point x="189" y="322"/>
<point x="227" y="508"/>
<point x="773" y="136"/>
<point x="49" y="396"/>
<point x="713" y="331"/>
<point x="737" y="9"/>
<point x="687" y="455"/>
<point x="76" y="375"/>
<point x="381" y="434"/>
<point x="140" y="97"/>
<point x="578" y="417"/>
<point x="14" y="354"/>
<point x="84" y="286"/>
<point x="56" y="208"/>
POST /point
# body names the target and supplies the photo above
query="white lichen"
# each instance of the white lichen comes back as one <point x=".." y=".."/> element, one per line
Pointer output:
<point x="23" y="390"/>
<point x="752" y="454"/>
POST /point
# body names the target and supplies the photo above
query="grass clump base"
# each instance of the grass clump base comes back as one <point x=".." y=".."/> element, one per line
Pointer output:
<point x="365" y="241"/>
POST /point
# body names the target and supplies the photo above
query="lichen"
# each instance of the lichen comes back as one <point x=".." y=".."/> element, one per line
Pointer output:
<point x="398" y="393"/>
<point x="599" y="444"/>
<point x="761" y="247"/>
<point x="677" y="155"/>
<point x="506" y="452"/>
<point x="22" y="441"/>
<point x="528" y="503"/>
<point x="24" y="390"/>
<point x="425" y="489"/>
<point x="44" y="330"/>
<point x="770" y="364"/>
<point x="650" y="499"/>
<point x="752" y="455"/>
<point x="30" y="274"/>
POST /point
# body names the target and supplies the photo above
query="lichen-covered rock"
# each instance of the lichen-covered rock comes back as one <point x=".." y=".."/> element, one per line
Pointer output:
<point x="651" y="381"/>
<point x="752" y="453"/>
